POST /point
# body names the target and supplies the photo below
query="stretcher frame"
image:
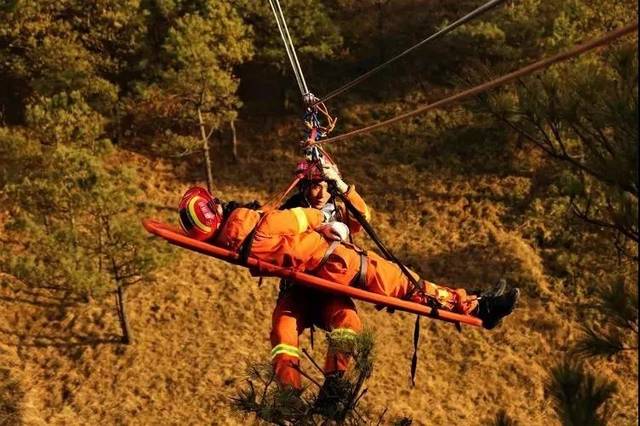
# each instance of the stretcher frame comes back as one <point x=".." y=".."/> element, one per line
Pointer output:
<point x="175" y="236"/>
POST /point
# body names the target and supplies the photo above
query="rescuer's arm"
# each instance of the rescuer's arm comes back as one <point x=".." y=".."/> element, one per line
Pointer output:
<point x="352" y="196"/>
<point x="331" y="174"/>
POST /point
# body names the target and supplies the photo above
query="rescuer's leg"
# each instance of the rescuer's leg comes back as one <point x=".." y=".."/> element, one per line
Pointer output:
<point x="340" y="318"/>
<point x="287" y="325"/>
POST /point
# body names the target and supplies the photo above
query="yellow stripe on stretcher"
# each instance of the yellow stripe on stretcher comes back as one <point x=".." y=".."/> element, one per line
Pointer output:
<point x="194" y="216"/>
<point x="303" y="223"/>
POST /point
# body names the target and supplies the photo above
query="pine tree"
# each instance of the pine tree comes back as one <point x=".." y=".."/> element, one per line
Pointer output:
<point x="584" y="115"/>
<point x="580" y="398"/>
<point x="70" y="223"/>
<point x="614" y="325"/>
<point x="194" y="92"/>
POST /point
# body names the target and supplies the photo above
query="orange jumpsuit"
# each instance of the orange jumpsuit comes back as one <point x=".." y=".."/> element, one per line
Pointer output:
<point x="300" y="307"/>
<point x="288" y="238"/>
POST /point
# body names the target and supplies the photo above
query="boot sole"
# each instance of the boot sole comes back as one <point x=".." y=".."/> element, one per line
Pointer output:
<point x="516" y="297"/>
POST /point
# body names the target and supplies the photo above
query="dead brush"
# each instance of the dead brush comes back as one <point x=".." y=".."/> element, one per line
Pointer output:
<point x="337" y="401"/>
<point x="10" y="399"/>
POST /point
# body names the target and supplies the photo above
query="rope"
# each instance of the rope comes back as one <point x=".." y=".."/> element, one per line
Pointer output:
<point x="288" y="45"/>
<point x="471" y="15"/>
<point x="536" y="66"/>
<point x="293" y="50"/>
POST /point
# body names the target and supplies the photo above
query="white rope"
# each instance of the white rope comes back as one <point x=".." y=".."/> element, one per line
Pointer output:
<point x="293" y="50"/>
<point x="288" y="45"/>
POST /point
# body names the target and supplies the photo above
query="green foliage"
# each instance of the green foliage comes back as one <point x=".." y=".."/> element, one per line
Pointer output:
<point x="584" y="115"/>
<point x="198" y="45"/>
<point x="71" y="218"/>
<point x="315" y="36"/>
<point x="525" y="29"/>
<point x="503" y="419"/>
<point x="337" y="400"/>
<point x="270" y="403"/>
<point x="579" y="397"/>
<point x="616" y="322"/>
<point x="200" y="51"/>
<point x="65" y="118"/>
<point x="11" y="396"/>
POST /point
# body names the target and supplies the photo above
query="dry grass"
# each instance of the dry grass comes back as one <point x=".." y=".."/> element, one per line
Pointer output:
<point x="198" y="326"/>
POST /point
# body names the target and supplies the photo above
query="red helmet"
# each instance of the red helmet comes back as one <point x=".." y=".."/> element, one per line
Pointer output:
<point x="200" y="215"/>
<point x="309" y="171"/>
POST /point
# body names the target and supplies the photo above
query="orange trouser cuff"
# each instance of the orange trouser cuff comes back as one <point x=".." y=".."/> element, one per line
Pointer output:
<point x="285" y="368"/>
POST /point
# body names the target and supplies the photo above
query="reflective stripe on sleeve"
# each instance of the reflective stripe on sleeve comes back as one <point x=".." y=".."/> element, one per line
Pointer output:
<point x="301" y="218"/>
<point x="367" y="213"/>
<point x="284" y="349"/>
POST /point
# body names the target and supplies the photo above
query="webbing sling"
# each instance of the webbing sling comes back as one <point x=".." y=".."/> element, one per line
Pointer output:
<point x="245" y="248"/>
<point x="415" y="285"/>
<point x="367" y="227"/>
<point x="360" y="279"/>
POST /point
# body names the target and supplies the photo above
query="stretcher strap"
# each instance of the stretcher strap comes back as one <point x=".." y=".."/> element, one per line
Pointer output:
<point x="414" y="359"/>
<point x="327" y="253"/>
<point x="361" y="277"/>
<point x="245" y="247"/>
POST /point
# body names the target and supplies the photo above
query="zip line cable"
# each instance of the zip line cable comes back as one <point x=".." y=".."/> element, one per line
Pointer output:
<point x="288" y="45"/>
<point x="293" y="50"/>
<point x="471" y="15"/>
<point x="536" y="66"/>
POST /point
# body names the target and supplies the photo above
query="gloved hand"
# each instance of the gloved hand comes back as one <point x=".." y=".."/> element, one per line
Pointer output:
<point x="330" y="174"/>
<point x="334" y="231"/>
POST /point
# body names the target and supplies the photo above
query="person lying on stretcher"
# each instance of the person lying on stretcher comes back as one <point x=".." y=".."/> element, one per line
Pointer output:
<point x="301" y="238"/>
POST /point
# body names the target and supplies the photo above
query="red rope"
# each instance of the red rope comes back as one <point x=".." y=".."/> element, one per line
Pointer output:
<point x="536" y="66"/>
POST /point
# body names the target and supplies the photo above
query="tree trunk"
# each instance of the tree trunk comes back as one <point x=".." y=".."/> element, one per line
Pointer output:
<point x="382" y="17"/>
<point x="127" y="336"/>
<point x="205" y="148"/>
<point x="234" y="141"/>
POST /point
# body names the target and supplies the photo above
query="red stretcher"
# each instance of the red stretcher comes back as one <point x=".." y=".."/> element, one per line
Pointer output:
<point x="176" y="237"/>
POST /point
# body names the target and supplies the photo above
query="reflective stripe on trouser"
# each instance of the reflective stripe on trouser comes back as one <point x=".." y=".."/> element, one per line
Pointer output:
<point x="284" y="349"/>
<point x="385" y="277"/>
<point x="285" y="360"/>
<point x="299" y="308"/>
<point x="340" y="316"/>
<point x="287" y="324"/>
<point x="340" y="350"/>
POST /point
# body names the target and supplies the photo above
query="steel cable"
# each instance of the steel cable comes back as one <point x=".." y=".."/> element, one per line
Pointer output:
<point x="471" y="15"/>
<point x="536" y="66"/>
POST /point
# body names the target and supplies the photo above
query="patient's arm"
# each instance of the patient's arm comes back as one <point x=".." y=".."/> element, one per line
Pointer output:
<point x="291" y="221"/>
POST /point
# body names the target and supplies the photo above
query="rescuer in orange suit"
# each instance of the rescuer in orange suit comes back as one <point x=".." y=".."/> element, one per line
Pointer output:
<point x="300" y="307"/>
<point x="303" y="239"/>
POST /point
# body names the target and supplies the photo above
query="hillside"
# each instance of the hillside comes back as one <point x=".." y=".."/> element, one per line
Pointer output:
<point x="110" y="110"/>
<point x="199" y="325"/>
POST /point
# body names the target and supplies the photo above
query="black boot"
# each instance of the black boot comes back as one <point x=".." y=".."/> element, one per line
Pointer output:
<point x="334" y="397"/>
<point x="497" y="290"/>
<point x="493" y="308"/>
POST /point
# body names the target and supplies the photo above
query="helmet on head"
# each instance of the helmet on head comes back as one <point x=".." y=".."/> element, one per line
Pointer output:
<point x="309" y="171"/>
<point x="200" y="213"/>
